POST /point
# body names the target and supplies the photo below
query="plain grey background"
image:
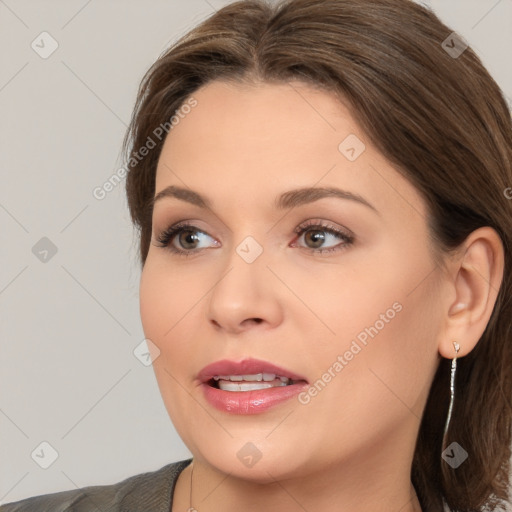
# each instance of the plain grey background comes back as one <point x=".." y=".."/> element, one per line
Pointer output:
<point x="69" y="324"/>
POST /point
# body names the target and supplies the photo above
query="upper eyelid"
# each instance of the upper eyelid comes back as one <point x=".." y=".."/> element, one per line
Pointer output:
<point x="206" y="211"/>
<point x="323" y="209"/>
<point x="303" y="226"/>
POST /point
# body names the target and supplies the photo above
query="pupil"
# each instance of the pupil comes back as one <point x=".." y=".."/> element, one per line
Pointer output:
<point x="190" y="238"/>
<point x="316" y="234"/>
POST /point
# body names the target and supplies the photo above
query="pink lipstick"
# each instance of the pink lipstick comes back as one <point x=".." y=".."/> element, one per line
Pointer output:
<point x="249" y="386"/>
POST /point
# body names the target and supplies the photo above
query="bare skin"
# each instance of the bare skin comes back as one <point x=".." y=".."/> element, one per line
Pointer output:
<point x="351" y="446"/>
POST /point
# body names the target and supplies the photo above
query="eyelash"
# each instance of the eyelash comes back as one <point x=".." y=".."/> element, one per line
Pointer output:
<point x="165" y="238"/>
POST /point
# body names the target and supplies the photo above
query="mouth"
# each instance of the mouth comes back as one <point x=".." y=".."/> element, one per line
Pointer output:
<point x="247" y="375"/>
<point x="250" y="382"/>
<point x="249" y="386"/>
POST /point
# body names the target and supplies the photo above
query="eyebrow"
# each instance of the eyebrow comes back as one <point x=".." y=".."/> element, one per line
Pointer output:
<point x="290" y="199"/>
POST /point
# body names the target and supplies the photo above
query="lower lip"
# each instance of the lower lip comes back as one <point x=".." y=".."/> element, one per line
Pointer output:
<point x="250" y="402"/>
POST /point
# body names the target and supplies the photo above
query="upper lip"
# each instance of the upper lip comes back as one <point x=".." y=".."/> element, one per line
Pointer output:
<point x="248" y="366"/>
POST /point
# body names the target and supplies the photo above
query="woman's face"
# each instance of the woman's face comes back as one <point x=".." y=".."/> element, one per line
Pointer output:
<point x="360" y="322"/>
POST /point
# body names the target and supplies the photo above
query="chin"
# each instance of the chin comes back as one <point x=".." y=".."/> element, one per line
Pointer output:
<point x="259" y="461"/>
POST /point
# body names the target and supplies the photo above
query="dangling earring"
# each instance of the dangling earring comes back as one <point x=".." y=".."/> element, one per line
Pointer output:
<point x="452" y="387"/>
<point x="191" y="508"/>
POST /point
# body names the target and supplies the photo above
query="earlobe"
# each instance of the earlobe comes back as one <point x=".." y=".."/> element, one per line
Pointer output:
<point x="476" y="278"/>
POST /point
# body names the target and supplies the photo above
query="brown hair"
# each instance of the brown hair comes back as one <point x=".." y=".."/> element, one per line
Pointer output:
<point x="440" y="119"/>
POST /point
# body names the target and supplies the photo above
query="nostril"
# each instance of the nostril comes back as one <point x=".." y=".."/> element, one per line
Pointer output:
<point x="249" y="321"/>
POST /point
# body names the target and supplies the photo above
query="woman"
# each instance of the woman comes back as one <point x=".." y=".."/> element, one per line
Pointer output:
<point x="322" y="192"/>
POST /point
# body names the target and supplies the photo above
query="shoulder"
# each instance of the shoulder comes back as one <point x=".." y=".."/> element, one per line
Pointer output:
<point x="146" y="491"/>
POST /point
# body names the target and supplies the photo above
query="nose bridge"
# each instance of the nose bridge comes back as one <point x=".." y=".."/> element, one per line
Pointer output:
<point x="243" y="291"/>
<point x="248" y="236"/>
<point x="245" y="263"/>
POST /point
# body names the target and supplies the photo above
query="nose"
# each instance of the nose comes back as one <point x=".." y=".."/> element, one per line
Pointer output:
<point x="245" y="297"/>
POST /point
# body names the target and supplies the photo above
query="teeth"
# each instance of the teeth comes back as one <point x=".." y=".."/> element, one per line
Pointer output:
<point x="258" y="377"/>
<point x="246" y="386"/>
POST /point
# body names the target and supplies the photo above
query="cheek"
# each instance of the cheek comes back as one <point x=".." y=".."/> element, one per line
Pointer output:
<point x="167" y="295"/>
<point x="388" y="355"/>
<point x="377" y="392"/>
<point x="383" y="312"/>
<point x="164" y="303"/>
<point x="165" y="300"/>
<point x="154" y="304"/>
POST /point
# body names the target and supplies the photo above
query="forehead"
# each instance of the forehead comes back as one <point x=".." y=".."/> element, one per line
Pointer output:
<point x="254" y="141"/>
<point x="263" y="116"/>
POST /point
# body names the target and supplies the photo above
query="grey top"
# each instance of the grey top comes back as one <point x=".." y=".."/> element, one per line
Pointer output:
<point x="146" y="492"/>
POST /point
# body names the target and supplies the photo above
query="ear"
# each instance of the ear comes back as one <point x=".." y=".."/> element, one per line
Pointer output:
<point x="476" y="274"/>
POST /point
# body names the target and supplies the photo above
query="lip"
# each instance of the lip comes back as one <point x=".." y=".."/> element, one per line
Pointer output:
<point x="248" y="366"/>
<point x="248" y="402"/>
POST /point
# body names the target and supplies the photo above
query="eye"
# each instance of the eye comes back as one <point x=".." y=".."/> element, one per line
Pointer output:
<point x="185" y="234"/>
<point x="315" y="231"/>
